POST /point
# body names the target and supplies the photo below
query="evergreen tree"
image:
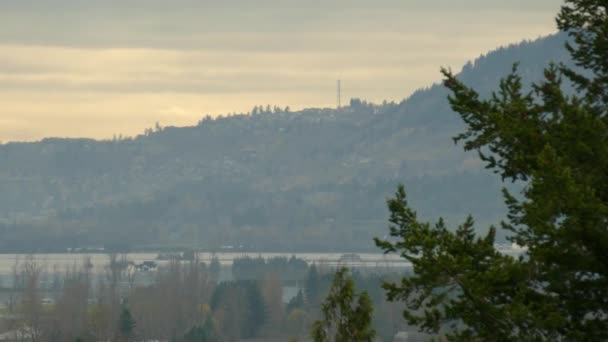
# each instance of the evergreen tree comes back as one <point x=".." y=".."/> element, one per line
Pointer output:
<point x="205" y="333"/>
<point x="296" y="302"/>
<point x="256" y="311"/>
<point x="126" y="325"/>
<point x="557" y="145"/>
<point x="215" y="268"/>
<point x="243" y="303"/>
<point x="312" y="285"/>
<point x="347" y="316"/>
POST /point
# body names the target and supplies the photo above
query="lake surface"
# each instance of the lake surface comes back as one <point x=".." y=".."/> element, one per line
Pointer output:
<point x="99" y="261"/>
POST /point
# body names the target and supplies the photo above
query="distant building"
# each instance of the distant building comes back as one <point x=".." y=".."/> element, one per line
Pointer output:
<point x="146" y="266"/>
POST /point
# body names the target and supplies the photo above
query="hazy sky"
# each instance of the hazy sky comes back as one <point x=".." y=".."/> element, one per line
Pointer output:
<point x="75" y="68"/>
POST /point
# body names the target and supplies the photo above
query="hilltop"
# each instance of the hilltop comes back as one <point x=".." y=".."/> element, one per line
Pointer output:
<point x="273" y="180"/>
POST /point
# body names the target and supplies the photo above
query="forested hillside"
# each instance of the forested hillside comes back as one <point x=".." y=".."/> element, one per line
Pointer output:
<point x="271" y="179"/>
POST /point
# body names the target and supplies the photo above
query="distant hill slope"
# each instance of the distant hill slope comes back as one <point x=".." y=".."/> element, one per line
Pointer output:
<point x="311" y="180"/>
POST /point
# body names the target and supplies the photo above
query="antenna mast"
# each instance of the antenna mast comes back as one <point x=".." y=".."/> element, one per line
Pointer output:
<point x="339" y="96"/>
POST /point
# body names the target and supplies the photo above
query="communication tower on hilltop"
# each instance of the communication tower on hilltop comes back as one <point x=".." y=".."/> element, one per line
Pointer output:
<point x="339" y="96"/>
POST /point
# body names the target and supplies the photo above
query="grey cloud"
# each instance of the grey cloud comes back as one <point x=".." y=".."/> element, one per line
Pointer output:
<point x="9" y="66"/>
<point x="203" y="83"/>
<point x="247" y="5"/>
<point x="181" y="24"/>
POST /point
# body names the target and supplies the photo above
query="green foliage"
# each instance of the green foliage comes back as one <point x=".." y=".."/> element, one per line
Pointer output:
<point x="586" y="22"/>
<point x="242" y="302"/>
<point x="557" y="145"/>
<point x="458" y="278"/>
<point x="257" y="310"/>
<point x="247" y="268"/>
<point x="292" y="268"/>
<point x="347" y="316"/>
<point x="312" y="285"/>
<point x="205" y="333"/>
<point x="296" y="302"/>
<point x="215" y="268"/>
<point x="126" y="324"/>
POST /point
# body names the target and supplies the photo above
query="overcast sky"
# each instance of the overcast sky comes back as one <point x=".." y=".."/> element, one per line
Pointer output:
<point x="74" y="68"/>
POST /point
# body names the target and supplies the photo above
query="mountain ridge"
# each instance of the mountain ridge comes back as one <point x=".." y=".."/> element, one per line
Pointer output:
<point x="314" y="179"/>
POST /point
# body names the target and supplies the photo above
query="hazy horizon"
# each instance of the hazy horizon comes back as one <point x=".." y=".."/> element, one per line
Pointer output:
<point x="74" y="69"/>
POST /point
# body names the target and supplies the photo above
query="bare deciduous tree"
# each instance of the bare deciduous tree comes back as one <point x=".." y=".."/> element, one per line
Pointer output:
<point x="31" y="311"/>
